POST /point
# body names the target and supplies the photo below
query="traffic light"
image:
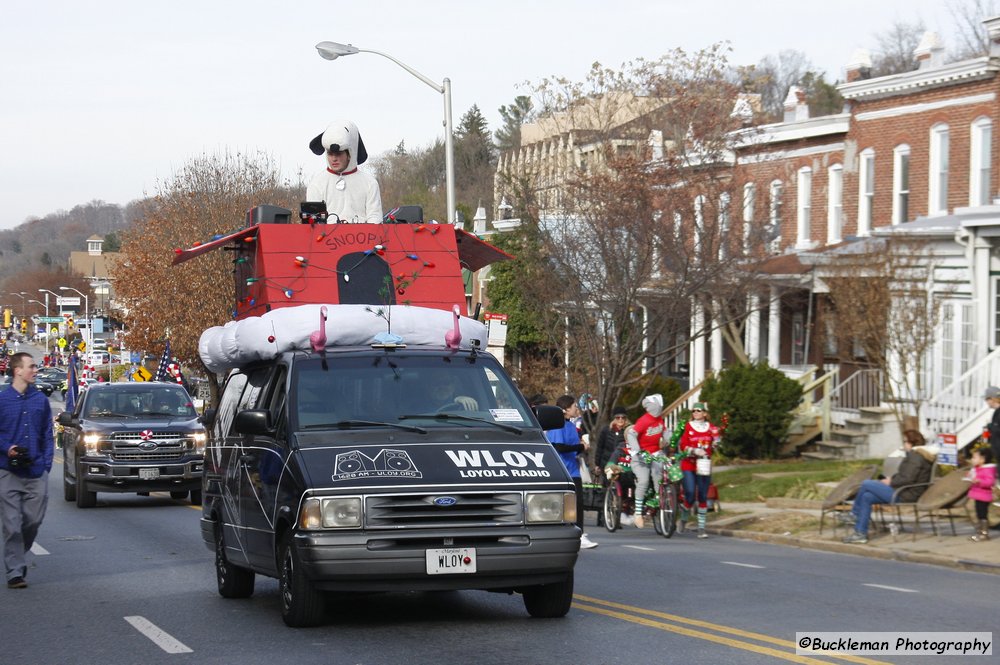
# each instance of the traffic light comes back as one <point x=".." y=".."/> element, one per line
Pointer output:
<point x="69" y="323"/>
<point x="24" y="325"/>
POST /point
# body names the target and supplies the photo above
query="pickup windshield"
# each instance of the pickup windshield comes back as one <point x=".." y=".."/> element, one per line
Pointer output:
<point x="397" y="388"/>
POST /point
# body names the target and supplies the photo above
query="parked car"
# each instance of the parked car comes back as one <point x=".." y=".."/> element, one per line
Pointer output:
<point x="132" y="437"/>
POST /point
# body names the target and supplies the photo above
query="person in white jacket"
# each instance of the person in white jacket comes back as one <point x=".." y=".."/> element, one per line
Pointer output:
<point x="350" y="195"/>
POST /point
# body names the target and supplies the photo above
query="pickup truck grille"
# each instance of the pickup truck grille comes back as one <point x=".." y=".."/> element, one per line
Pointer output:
<point x="170" y="446"/>
<point x="411" y="511"/>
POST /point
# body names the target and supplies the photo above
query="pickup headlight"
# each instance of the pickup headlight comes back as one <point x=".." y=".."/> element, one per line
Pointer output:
<point x="199" y="439"/>
<point x="550" y="507"/>
<point x="91" y="442"/>
<point x="340" y="512"/>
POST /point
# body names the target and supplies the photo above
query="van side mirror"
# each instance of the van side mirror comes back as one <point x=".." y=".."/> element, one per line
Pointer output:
<point x="550" y="417"/>
<point x="208" y="417"/>
<point x="66" y="418"/>
<point x="253" y="421"/>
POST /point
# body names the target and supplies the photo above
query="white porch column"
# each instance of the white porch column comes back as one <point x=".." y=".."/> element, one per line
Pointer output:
<point x="752" y="336"/>
<point x="645" y="338"/>
<point x="981" y="297"/>
<point x="774" y="328"/>
<point x="697" y="345"/>
<point x="716" y="363"/>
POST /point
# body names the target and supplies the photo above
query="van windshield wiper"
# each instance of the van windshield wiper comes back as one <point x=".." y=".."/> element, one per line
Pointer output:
<point x="350" y="424"/>
<point x="458" y="416"/>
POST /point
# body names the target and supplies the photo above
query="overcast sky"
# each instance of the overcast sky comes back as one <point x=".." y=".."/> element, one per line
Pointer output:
<point x="103" y="100"/>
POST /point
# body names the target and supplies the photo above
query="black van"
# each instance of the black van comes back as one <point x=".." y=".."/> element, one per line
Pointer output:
<point x="386" y="468"/>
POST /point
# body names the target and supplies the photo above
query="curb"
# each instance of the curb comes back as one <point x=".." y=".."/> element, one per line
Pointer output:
<point x="858" y="550"/>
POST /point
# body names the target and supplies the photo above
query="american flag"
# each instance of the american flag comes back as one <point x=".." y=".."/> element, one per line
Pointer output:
<point x="161" y="371"/>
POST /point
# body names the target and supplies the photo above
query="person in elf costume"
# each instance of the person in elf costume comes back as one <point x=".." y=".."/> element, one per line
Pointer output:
<point x="646" y="436"/>
<point x="697" y="441"/>
<point x="351" y="195"/>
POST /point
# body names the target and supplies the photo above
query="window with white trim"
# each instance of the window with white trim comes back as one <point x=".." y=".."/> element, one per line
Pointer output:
<point x="866" y="191"/>
<point x="835" y="204"/>
<point x="804" y="208"/>
<point x="749" y="201"/>
<point x="773" y="236"/>
<point x="980" y="156"/>
<point x="901" y="184"/>
<point x="937" y="203"/>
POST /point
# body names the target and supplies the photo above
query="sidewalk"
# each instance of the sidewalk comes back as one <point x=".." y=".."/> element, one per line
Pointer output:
<point x="796" y="523"/>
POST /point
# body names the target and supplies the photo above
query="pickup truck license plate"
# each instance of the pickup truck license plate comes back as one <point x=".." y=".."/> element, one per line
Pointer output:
<point x="149" y="474"/>
<point x="451" y="560"/>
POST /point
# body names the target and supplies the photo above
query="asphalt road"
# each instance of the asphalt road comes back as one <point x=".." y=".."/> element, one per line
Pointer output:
<point x="131" y="582"/>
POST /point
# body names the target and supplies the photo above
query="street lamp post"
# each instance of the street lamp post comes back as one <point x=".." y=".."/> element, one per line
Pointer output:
<point x="21" y="295"/>
<point x="86" y="304"/>
<point x="45" y="326"/>
<point x="333" y="50"/>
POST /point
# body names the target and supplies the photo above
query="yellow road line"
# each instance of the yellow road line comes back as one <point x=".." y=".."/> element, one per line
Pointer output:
<point x="629" y="613"/>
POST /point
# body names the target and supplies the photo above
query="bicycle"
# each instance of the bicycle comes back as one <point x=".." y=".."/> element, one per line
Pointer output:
<point x="660" y="503"/>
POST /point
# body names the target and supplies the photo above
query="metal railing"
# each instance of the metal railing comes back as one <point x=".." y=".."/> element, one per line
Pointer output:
<point x="864" y="387"/>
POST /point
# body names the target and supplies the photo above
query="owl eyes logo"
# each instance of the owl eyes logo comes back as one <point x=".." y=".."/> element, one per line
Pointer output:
<point x="387" y="464"/>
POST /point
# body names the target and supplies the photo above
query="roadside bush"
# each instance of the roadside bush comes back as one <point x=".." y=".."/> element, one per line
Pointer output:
<point x="759" y="400"/>
<point x="632" y="396"/>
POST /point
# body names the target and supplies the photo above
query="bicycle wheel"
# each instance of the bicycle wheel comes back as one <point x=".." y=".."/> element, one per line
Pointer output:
<point x="612" y="508"/>
<point x="666" y="516"/>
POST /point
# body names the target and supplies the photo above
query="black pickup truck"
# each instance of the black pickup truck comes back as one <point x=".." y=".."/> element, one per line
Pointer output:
<point x="132" y="437"/>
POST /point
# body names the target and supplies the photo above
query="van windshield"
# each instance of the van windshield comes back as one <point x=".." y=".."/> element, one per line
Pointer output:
<point x="426" y="391"/>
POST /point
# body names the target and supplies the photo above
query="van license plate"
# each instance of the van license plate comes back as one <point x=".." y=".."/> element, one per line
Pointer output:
<point x="451" y="560"/>
<point x="149" y="474"/>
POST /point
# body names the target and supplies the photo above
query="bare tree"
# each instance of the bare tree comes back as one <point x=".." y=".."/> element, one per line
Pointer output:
<point x="627" y="203"/>
<point x="883" y="306"/>
<point x="773" y="76"/>
<point x="208" y="196"/>
<point x="894" y="53"/>
<point x="970" y="35"/>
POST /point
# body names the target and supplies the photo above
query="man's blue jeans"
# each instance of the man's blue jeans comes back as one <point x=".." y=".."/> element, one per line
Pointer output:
<point x="871" y="492"/>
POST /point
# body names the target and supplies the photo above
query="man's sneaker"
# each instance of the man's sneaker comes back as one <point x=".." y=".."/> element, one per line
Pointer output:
<point x="16" y="583"/>
<point x="638" y="521"/>
<point x="586" y="543"/>
<point x="855" y="537"/>
<point x="627" y="520"/>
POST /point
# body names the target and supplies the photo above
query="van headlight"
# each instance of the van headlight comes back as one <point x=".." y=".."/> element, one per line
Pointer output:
<point x="339" y="512"/>
<point x="91" y="443"/>
<point x="550" y="507"/>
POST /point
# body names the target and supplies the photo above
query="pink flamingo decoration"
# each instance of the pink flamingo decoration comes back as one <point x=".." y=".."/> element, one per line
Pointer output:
<point x="318" y="337"/>
<point x="453" y="337"/>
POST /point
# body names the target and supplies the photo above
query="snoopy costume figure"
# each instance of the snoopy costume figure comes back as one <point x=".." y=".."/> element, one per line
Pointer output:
<point x="349" y="194"/>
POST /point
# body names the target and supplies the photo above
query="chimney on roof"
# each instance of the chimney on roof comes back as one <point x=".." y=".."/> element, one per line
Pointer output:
<point x="930" y="51"/>
<point x="993" y="32"/>
<point x="796" y="107"/>
<point x="859" y="67"/>
<point x="479" y="221"/>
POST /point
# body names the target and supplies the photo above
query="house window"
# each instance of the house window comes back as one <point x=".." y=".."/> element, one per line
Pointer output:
<point x="901" y="184"/>
<point x="938" y="190"/>
<point x="835" y="204"/>
<point x="866" y="193"/>
<point x="723" y="223"/>
<point x="773" y="236"/>
<point x="981" y="153"/>
<point x="749" y="201"/>
<point x="803" y="212"/>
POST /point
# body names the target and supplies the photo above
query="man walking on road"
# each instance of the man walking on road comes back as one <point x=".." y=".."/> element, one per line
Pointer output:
<point x="27" y="446"/>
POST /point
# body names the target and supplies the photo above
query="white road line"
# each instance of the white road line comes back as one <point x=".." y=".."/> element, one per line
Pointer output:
<point x="891" y="588"/>
<point x="158" y="636"/>
<point x="638" y="547"/>
<point x="743" y="565"/>
<point x="38" y="550"/>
